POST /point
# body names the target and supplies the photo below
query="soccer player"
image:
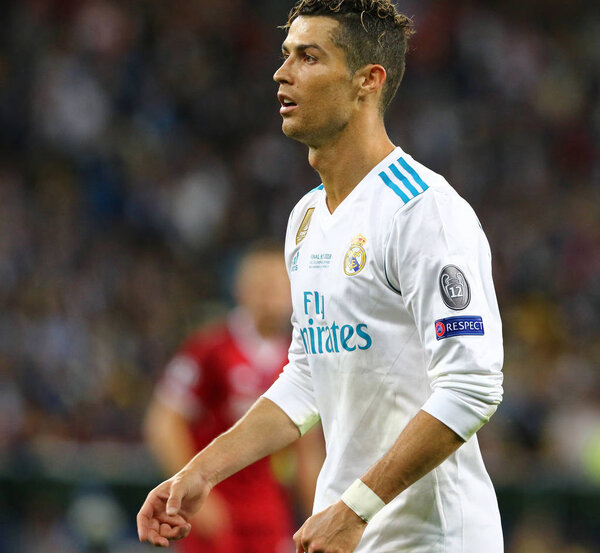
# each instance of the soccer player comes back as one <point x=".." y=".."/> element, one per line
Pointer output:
<point x="397" y="343"/>
<point x="216" y="375"/>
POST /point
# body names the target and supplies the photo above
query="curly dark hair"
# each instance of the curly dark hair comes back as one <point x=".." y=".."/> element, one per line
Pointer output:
<point x="370" y="31"/>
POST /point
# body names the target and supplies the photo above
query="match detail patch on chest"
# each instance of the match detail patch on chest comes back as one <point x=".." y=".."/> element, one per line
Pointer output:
<point x="319" y="260"/>
<point x="303" y="228"/>
<point x="355" y="257"/>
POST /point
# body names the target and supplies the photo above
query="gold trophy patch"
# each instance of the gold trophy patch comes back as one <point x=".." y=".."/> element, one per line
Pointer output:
<point x="303" y="229"/>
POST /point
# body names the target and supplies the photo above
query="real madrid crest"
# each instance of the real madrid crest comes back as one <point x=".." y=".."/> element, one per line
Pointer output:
<point x="355" y="257"/>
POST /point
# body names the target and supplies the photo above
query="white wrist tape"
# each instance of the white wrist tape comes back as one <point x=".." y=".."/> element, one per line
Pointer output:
<point x="362" y="500"/>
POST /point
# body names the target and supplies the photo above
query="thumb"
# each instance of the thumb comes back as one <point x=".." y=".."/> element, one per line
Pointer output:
<point x="174" y="501"/>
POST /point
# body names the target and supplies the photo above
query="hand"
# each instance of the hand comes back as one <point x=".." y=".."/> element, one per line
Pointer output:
<point x="337" y="529"/>
<point x="168" y="509"/>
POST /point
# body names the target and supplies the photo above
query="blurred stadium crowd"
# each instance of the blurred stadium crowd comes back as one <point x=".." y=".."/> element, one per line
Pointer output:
<point x="140" y="150"/>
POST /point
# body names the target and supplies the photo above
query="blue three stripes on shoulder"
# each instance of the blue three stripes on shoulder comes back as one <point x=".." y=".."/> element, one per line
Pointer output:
<point x="403" y="180"/>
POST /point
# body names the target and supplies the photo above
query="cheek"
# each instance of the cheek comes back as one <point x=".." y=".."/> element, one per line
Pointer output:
<point x="334" y="99"/>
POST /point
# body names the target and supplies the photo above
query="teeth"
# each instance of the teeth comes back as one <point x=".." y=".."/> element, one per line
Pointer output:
<point x="287" y="102"/>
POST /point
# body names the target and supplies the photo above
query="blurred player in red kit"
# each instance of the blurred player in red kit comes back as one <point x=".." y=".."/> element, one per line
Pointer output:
<point x="216" y="375"/>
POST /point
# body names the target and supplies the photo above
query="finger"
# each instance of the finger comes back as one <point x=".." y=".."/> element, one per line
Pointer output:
<point x="184" y="532"/>
<point x="174" y="501"/>
<point x="148" y="514"/>
<point x="155" y="500"/>
<point x="156" y="539"/>
<point x="169" y="532"/>
<point x="144" y="518"/>
<point x="175" y="520"/>
<point x="174" y="532"/>
<point x="142" y="529"/>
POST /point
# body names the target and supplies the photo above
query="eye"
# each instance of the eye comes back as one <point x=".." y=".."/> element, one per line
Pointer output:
<point x="310" y="59"/>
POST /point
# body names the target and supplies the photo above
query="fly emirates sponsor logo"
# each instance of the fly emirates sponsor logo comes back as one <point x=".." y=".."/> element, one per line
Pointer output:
<point x="318" y="337"/>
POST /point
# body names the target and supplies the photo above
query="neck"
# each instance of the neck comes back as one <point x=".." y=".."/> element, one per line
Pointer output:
<point x="344" y="161"/>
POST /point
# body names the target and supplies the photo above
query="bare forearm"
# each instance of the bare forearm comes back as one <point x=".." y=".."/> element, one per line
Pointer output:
<point x="264" y="429"/>
<point x="169" y="437"/>
<point x="422" y="446"/>
<point x="310" y="453"/>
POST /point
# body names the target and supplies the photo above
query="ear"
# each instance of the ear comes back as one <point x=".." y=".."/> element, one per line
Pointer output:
<point x="370" y="80"/>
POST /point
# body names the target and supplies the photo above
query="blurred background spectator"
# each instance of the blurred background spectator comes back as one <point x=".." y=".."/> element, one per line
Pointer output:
<point x="140" y="150"/>
<point x="216" y="375"/>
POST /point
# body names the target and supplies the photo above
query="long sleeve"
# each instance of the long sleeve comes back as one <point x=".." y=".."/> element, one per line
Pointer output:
<point x="439" y="260"/>
<point x="293" y="390"/>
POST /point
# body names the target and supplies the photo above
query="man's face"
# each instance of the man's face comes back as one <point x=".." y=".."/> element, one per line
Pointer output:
<point x="263" y="289"/>
<point x="316" y="90"/>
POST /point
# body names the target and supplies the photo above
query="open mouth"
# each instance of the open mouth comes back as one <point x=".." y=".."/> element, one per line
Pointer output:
<point x="287" y="104"/>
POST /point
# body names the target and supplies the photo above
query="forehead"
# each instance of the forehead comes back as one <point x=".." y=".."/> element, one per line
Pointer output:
<point x="314" y="29"/>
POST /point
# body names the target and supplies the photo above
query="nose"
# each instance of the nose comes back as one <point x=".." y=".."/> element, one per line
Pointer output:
<point x="282" y="75"/>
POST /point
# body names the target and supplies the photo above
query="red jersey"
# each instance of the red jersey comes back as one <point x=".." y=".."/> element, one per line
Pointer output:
<point x="213" y="379"/>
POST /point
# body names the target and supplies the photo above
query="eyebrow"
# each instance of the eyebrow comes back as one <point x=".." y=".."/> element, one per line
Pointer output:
<point x="301" y="47"/>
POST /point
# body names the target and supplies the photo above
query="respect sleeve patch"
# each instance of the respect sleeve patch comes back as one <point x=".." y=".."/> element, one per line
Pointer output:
<point x="458" y="326"/>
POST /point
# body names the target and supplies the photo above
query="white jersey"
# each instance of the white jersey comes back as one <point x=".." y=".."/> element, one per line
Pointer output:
<point x="395" y="311"/>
